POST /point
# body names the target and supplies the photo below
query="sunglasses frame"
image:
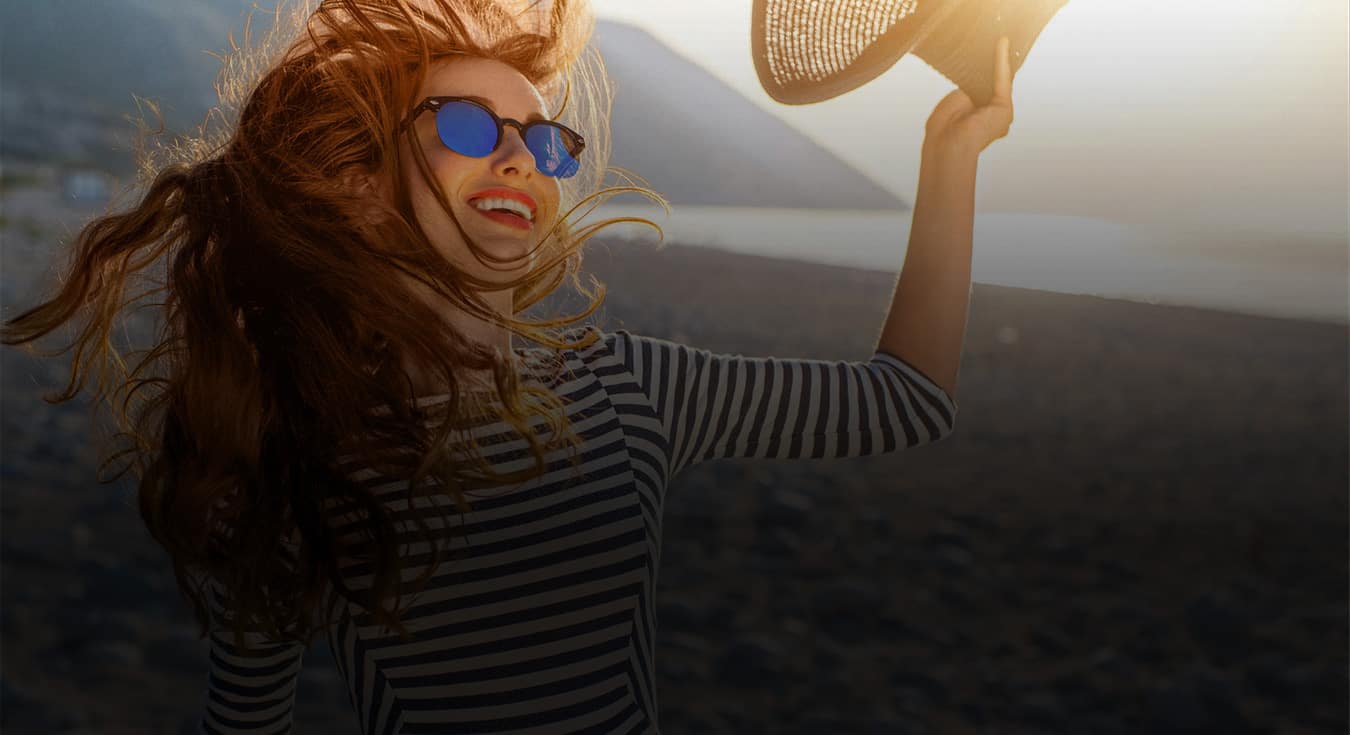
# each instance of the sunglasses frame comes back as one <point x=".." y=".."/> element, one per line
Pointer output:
<point x="435" y="103"/>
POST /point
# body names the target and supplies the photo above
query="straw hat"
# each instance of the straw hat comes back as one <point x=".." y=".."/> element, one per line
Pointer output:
<point x="811" y="50"/>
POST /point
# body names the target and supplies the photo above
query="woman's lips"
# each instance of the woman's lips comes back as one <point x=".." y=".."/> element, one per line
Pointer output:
<point x="510" y="220"/>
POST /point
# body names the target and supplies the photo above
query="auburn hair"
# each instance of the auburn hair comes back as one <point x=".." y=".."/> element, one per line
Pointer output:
<point x="287" y="318"/>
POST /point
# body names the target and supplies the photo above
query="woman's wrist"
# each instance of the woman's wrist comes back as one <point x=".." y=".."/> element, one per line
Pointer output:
<point x="941" y="156"/>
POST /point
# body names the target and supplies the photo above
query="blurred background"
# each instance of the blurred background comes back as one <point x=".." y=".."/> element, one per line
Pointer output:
<point x="1140" y="523"/>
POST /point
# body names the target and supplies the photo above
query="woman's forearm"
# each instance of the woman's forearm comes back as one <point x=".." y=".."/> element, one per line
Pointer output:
<point x="927" y="322"/>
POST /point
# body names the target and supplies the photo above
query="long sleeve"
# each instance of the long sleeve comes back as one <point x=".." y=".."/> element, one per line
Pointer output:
<point x="722" y="405"/>
<point x="249" y="691"/>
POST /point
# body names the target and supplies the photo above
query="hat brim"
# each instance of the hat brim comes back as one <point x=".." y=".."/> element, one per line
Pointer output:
<point x="957" y="38"/>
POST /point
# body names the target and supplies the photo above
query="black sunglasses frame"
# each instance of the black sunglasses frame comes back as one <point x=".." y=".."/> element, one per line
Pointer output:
<point x="570" y="137"/>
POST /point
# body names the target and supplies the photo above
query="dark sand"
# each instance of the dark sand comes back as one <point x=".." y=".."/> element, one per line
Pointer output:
<point x="1139" y="525"/>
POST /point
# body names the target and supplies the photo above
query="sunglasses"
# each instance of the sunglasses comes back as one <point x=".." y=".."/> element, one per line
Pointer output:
<point x="471" y="129"/>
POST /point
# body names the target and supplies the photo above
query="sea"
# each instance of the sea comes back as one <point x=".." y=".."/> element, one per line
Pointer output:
<point x="1298" y="274"/>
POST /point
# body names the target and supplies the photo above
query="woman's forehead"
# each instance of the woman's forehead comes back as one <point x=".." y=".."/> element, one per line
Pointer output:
<point x="508" y="92"/>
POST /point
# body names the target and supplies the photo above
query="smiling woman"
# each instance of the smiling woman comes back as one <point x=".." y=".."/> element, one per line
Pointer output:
<point x="467" y="142"/>
<point x="486" y="193"/>
<point x="344" y="263"/>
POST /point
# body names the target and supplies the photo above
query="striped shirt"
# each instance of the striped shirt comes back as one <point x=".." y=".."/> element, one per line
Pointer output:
<point x="547" y="623"/>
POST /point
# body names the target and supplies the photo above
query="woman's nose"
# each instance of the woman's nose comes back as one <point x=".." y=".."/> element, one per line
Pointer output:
<point x="513" y="151"/>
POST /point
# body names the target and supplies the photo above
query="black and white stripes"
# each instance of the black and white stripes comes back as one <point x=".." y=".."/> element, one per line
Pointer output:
<point x="544" y="619"/>
<point x="717" y="405"/>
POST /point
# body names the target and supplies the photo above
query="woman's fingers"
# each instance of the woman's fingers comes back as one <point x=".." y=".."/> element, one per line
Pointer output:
<point x="1000" y="107"/>
<point x="1002" y="74"/>
<point x="957" y="124"/>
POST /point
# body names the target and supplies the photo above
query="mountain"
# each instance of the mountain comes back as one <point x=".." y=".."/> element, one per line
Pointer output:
<point x="733" y="153"/>
<point x="98" y="53"/>
<point x="71" y="68"/>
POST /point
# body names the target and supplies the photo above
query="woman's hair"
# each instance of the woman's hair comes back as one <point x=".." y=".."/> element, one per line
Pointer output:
<point x="288" y="312"/>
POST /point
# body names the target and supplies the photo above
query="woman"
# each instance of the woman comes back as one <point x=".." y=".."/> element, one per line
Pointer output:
<point x="333" y="427"/>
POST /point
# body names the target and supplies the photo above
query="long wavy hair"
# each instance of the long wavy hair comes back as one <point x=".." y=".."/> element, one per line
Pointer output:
<point x="289" y="318"/>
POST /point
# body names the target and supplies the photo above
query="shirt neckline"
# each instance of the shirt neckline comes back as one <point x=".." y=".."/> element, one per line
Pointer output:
<point x="528" y="371"/>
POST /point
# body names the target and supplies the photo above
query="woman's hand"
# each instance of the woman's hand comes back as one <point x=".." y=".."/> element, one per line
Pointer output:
<point x="960" y="129"/>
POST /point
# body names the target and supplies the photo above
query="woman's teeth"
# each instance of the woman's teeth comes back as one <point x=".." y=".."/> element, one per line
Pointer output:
<point x="509" y="205"/>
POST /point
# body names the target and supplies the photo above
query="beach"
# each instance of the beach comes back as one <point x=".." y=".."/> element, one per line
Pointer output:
<point x="1139" y="524"/>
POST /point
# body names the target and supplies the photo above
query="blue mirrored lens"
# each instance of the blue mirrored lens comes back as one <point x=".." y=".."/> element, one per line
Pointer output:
<point x="549" y="147"/>
<point x="466" y="129"/>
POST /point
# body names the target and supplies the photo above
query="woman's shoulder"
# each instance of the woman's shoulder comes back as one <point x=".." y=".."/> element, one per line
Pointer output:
<point x="588" y="344"/>
<point x="584" y="339"/>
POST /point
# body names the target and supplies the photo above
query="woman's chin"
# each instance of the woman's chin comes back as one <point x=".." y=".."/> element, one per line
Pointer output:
<point x="518" y="254"/>
<point x="503" y="244"/>
<point x="501" y="271"/>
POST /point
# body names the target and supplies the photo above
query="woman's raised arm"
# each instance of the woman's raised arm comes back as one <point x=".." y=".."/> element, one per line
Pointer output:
<point x="927" y="321"/>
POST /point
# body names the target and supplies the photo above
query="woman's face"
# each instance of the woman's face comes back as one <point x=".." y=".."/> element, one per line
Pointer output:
<point x="464" y="179"/>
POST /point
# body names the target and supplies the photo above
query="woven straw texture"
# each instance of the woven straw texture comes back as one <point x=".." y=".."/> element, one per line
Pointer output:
<point x="811" y="50"/>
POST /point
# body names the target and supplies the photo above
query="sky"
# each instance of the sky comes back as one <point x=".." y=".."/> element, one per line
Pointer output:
<point x="1221" y="115"/>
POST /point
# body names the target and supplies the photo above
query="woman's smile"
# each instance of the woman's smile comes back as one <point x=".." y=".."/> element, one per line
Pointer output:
<point x="507" y="205"/>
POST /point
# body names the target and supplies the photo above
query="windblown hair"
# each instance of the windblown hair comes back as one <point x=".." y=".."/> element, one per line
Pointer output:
<point x="289" y="319"/>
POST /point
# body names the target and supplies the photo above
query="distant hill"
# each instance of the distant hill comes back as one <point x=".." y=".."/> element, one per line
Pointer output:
<point x="71" y="68"/>
<point x="735" y="153"/>
<point x="101" y="52"/>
